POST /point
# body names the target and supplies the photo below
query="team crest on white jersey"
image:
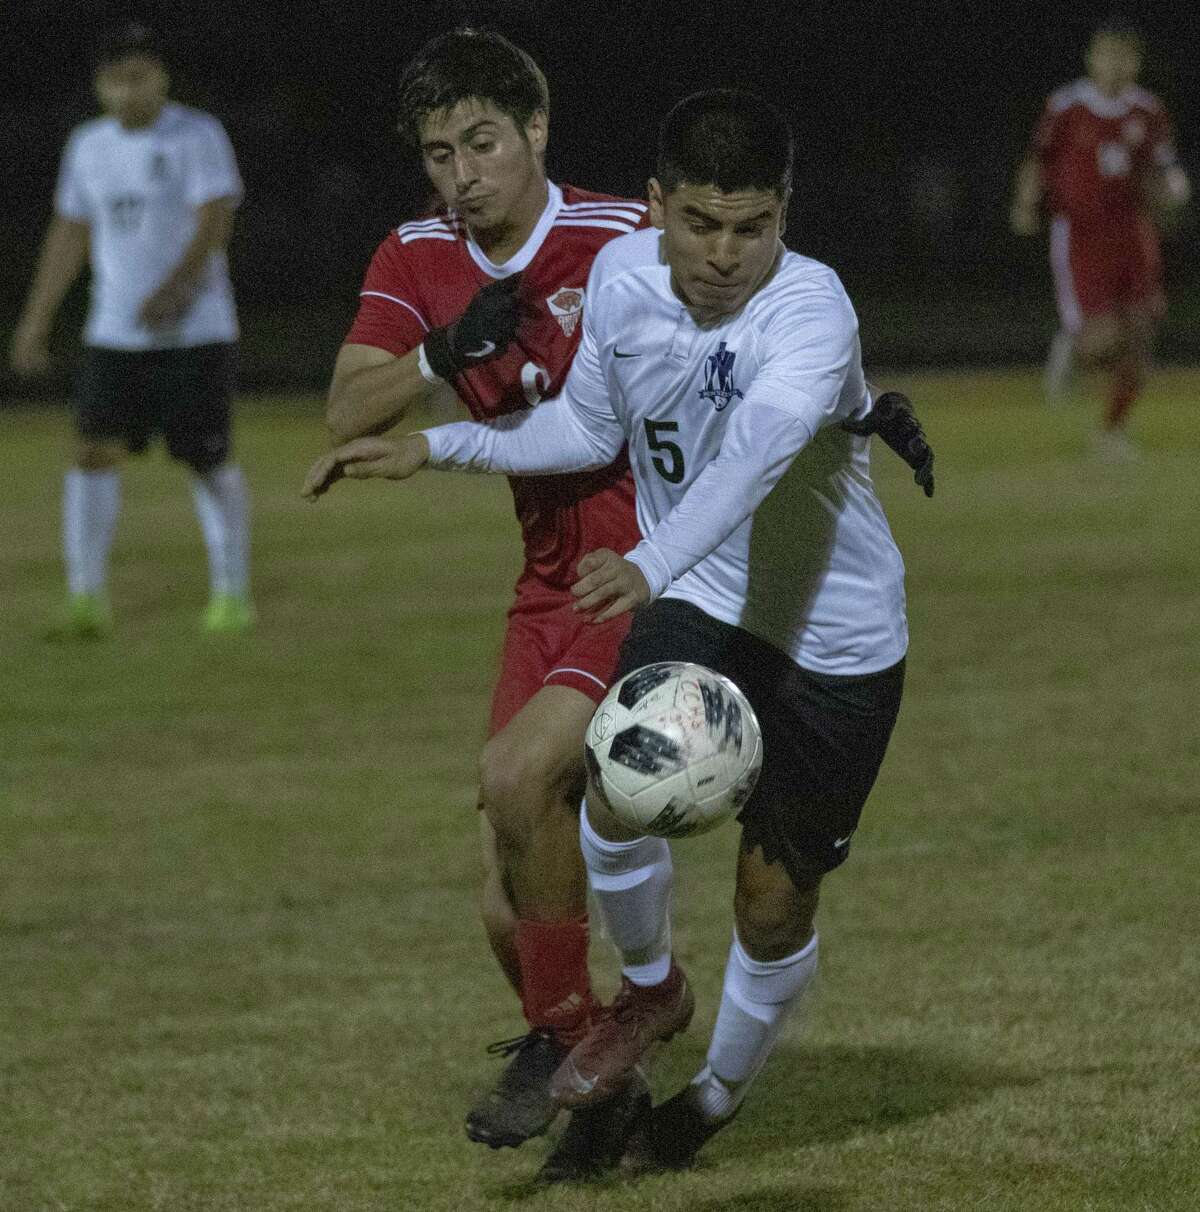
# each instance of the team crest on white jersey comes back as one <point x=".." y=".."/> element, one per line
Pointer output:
<point x="718" y="378"/>
<point x="566" y="306"/>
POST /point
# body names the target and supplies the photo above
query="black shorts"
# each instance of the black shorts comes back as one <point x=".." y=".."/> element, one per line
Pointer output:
<point x="824" y="736"/>
<point x="132" y="396"/>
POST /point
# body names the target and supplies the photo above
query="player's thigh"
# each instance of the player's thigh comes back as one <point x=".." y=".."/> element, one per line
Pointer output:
<point x="547" y="643"/>
<point x="111" y="404"/>
<point x="673" y="630"/>
<point x="194" y="396"/>
<point x="546" y="735"/>
<point x="824" y="740"/>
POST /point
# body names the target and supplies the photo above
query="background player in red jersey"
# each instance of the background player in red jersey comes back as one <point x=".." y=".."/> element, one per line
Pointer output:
<point x="1101" y="165"/>
<point x="486" y="294"/>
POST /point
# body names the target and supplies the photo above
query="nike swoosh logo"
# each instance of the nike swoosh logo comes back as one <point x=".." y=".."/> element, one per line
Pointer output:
<point x="488" y="347"/>
<point x="843" y="841"/>
<point x="581" y="1084"/>
<point x="618" y="354"/>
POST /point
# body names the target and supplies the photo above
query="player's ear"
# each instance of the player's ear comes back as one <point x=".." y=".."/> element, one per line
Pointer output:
<point x="537" y="131"/>
<point x="783" y="210"/>
<point x="658" y="202"/>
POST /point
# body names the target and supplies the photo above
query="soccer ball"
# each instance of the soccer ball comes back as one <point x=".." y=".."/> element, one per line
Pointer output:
<point x="674" y="749"/>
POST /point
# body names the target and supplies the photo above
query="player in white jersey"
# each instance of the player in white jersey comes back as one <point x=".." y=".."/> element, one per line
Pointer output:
<point x="732" y="368"/>
<point x="148" y="191"/>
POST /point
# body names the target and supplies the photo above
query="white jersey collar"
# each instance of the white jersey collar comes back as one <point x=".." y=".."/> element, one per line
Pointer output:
<point x="1104" y="106"/>
<point x="521" y="258"/>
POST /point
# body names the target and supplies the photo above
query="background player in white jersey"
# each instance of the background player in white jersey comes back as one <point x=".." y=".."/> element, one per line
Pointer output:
<point x="732" y="368"/>
<point x="148" y="191"/>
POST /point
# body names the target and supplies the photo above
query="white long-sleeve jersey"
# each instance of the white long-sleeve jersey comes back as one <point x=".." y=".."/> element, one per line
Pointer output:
<point x="754" y="504"/>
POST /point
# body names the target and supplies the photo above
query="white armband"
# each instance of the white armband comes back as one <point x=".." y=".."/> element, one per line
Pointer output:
<point x="424" y="367"/>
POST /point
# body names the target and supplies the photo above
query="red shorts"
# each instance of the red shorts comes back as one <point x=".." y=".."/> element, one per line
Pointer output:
<point x="547" y="643"/>
<point x="1101" y="273"/>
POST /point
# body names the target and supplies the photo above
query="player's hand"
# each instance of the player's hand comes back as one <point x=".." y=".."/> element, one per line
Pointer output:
<point x="165" y="306"/>
<point x="367" y="459"/>
<point x="608" y="584"/>
<point x="893" y="419"/>
<point x="29" y="353"/>
<point x="483" y="332"/>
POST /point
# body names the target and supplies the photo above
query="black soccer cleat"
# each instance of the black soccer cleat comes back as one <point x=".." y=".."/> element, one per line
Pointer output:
<point x="595" y="1136"/>
<point x="519" y="1105"/>
<point x="669" y="1136"/>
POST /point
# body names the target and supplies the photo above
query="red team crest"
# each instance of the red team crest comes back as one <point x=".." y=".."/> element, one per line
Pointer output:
<point x="566" y="306"/>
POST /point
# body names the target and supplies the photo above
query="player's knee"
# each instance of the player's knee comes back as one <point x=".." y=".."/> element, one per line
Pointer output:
<point x="1102" y="341"/>
<point x="517" y="788"/>
<point x="201" y="462"/>
<point x="98" y="456"/>
<point x="773" y="923"/>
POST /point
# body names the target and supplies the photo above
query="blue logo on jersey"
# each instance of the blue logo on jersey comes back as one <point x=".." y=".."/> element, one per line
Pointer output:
<point x="718" y="378"/>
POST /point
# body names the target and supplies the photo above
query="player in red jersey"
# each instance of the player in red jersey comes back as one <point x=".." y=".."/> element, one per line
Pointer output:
<point x="1102" y="165"/>
<point x="486" y="294"/>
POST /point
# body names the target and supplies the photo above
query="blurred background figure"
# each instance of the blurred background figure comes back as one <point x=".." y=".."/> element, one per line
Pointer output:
<point x="1103" y="167"/>
<point x="147" y="194"/>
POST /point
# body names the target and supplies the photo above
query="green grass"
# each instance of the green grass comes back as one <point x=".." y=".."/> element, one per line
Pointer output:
<point x="239" y="961"/>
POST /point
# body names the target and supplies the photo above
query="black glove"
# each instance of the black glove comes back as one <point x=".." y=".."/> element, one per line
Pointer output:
<point x="484" y="331"/>
<point x="894" y="421"/>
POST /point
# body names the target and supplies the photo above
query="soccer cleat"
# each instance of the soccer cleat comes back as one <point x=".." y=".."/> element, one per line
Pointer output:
<point x="669" y="1136"/>
<point x="600" y="1064"/>
<point x="595" y="1137"/>
<point x="86" y="616"/>
<point x="519" y="1105"/>
<point x="228" y="613"/>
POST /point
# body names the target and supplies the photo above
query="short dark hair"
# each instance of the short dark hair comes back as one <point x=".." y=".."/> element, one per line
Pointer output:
<point x="132" y="38"/>
<point x="731" y="138"/>
<point x="1117" y="25"/>
<point x="467" y="64"/>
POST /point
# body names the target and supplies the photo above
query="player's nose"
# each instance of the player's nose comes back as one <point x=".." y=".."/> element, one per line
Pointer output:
<point x="464" y="172"/>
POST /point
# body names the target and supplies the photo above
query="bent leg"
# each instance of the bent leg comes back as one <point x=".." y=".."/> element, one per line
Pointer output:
<point x="531" y="776"/>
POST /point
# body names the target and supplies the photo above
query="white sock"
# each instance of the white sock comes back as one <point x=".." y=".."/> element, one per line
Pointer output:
<point x="755" y="1002"/>
<point x="631" y="882"/>
<point x="223" y="507"/>
<point x="91" y="502"/>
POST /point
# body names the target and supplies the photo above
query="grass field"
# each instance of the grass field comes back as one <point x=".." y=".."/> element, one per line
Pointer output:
<point x="239" y="961"/>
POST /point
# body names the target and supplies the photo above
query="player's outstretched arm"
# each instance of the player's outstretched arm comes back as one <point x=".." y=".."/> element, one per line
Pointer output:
<point x="64" y="251"/>
<point x="367" y="459"/>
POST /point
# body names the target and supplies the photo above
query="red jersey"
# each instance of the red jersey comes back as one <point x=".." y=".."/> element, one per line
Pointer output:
<point x="1095" y="149"/>
<point x="424" y="275"/>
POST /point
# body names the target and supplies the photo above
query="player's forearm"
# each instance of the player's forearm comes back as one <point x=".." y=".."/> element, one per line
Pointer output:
<point x="547" y="440"/>
<point x="64" y="251"/>
<point x="371" y="399"/>
<point x="214" y="225"/>
<point x="1027" y="190"/>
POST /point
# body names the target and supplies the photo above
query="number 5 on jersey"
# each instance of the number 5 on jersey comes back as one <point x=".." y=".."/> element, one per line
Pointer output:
<point x="669" y="467"/>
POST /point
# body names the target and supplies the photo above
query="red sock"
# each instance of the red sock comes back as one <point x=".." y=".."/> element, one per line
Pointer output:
<point x="1123" y="390"/>
<point x="557" y="992"/>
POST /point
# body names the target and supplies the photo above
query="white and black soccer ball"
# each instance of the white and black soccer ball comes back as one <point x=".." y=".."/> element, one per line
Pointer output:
<point x="674" y="748"/>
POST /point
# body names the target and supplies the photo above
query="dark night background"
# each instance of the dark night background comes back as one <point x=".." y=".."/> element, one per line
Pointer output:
<point x="909" y="121"/>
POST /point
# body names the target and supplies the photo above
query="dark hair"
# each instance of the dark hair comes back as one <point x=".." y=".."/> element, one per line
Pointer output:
<point x="731" y="138"/>
<point x="1117" y="25"/>
<point x="132" y="38"/>
<point x="470" y="63"/>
